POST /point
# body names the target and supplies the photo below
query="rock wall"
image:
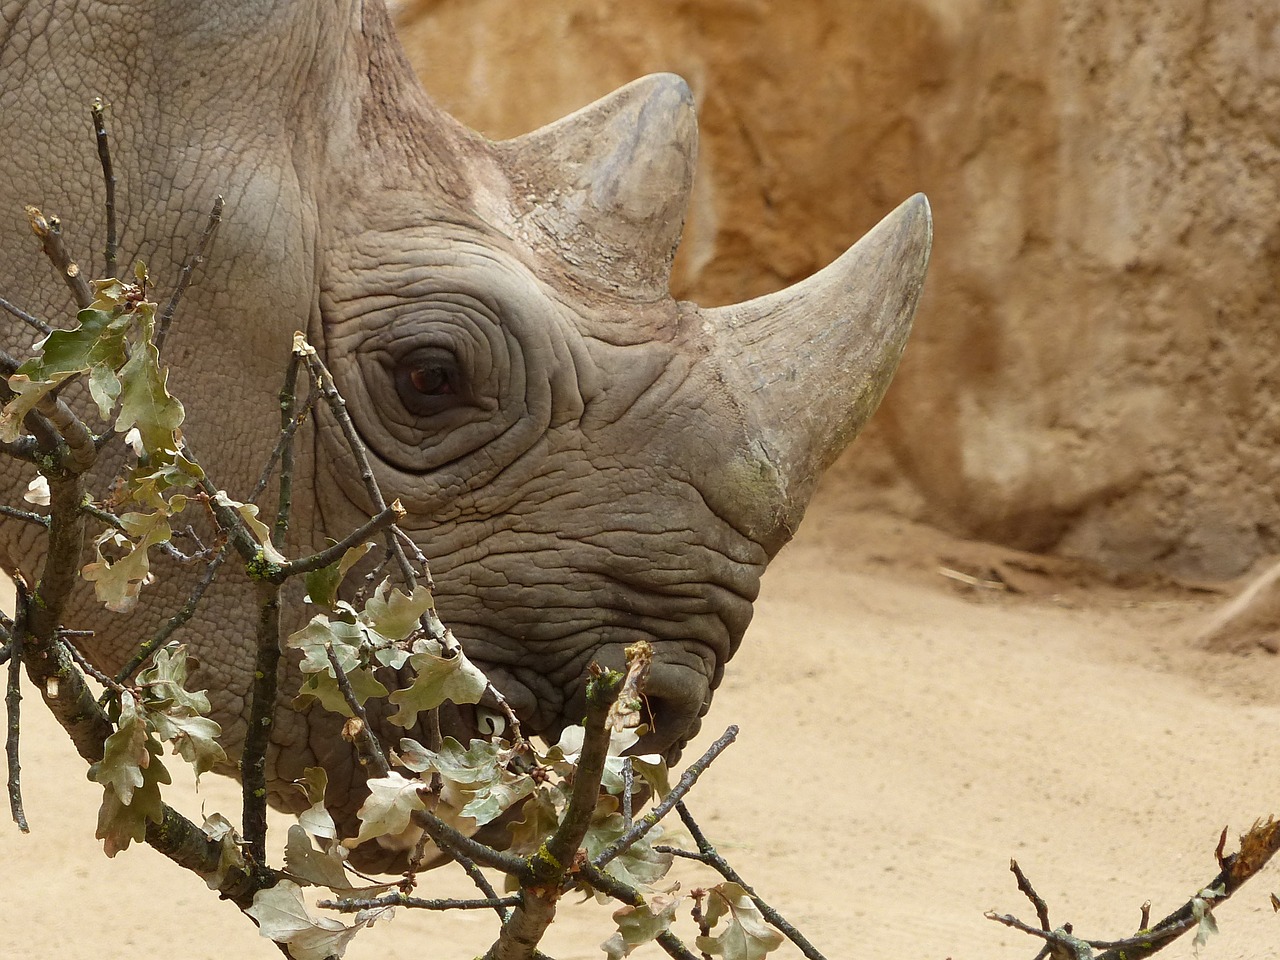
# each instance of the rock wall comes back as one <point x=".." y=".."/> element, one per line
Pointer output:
<point x="1094" y="368"/>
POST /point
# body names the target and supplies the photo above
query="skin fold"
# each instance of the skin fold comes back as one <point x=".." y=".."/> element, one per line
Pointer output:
<point x="585" y="461"/>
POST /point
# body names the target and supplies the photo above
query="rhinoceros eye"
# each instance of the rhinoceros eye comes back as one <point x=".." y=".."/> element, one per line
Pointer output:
<point x="430" y="381"/>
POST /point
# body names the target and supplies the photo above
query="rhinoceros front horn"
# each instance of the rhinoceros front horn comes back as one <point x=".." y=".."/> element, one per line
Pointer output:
<point x="818" y="356"/>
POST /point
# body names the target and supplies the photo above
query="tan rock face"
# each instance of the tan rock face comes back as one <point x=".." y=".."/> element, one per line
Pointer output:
<point x="1094" y="367"/>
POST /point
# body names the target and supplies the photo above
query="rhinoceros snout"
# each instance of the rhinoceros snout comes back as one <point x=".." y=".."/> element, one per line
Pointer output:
<point x="677" y="698"/>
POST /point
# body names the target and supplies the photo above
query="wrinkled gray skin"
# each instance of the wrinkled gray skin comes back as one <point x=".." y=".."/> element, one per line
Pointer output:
<point x="611" y="464"/>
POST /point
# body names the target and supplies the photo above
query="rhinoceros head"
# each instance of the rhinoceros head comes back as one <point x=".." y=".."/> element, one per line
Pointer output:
<point x="585" y="460"/>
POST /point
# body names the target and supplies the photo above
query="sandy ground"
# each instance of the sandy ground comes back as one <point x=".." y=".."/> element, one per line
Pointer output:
<point x="903" y="734"/>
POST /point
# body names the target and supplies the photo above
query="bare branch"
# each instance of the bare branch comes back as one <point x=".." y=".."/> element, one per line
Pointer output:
<point x="334" y="552"/>
<point x="288" y="426"/>
<point x="29" y="319"/>
<point x="262" y="707"/>
<point x="188" y="268"/>
<point x="528" y="923"/>
<point x="403" y="900"/>
<point x="678" y="792"/>
<point x="98" y="111"/>
<point x="13" y="714"/>
<point x="366" y="743"/>
<point x="1042" y="908"/>
<point x="49" y="232"/>
<point x="177" y="620"/>
<point x="26" y="516"/>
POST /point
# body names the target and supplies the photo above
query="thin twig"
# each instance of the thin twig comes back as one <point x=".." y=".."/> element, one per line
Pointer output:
<point x="1042" y="908"/>
<point x="480" y="880"/>
<point x="288" y="425"/>
<point x="1058" y="938"/>
<point x="334" y="551"/>
<point x="111" y="520"/>
<point x="13" y="713"/>
<point x="1257" y="847"/>
<point x="98" y="111"/>
<point x="262" y="706"/>
<point x="711" y="858"/>
<point x="366" y="743"/>
<point x="86" y="666"/>
<point x="448" y="839"/>
<point x="177" y="620"/>
<point x="29" y="319"/>
<point x="188" y="267"/>
<point x="49" y="232"/>
<point x="678" y="792"/>
<point x="402" y="900"/>
<point x="27" y="516"/>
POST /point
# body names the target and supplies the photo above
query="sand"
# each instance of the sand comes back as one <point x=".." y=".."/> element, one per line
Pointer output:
<point x="904" y="733"/>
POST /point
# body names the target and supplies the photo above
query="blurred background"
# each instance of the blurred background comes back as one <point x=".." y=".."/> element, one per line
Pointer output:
<point x="1094" y="365"/>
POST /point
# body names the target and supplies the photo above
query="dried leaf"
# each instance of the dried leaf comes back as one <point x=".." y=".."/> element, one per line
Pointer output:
<point x="392" y="614"/>
<point x="640" y="924"/>
<point x="437" y="679"/>
<point x="745" y="936"/>
<point x="319" y="867"/>
<point x="120" y="823"/>
<point x="117" y="583"/>
<point x="479" y="774"/>
<point x="125" y="753"/>
<point x="640" y="865"/>
<point x="98" y="339"/>
<point x="165" y="682"/>
<point x="316" y="821"/>
<point x="563" y="757"/>
<point x="38" y="491"/>
<point x="220" y="830"/>
<point x="324" y="687"/>
<point x="249" y="514"/>
<point x="323" y="584"/>
<point x="320" y="633"/>
<point x="539" y="822"/>
<point x="391" y="803"/>
<point x="283" y="917"/>
<point x="145" y="401"/>
<point x="195" y="739"/>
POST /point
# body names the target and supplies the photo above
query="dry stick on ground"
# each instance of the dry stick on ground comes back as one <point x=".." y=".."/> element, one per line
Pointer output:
<point x="1257" y="847"/>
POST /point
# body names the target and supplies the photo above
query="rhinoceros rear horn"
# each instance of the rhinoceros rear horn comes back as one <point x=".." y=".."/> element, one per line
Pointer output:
<point x="608" y="186"/>
<point x="819" y="355"/>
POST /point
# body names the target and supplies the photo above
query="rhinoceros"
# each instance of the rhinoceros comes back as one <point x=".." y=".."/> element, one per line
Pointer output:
<point x="584" y="460"/>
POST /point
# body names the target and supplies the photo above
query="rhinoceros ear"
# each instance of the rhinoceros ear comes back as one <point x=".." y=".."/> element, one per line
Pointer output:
<point x="608" y="185"/>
